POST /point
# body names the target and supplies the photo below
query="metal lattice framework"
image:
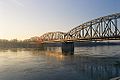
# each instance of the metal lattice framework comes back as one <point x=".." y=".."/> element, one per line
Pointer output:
<point x="103" y="27"/>
<point x="106" y="27"/>
<point x="52" y="36"/>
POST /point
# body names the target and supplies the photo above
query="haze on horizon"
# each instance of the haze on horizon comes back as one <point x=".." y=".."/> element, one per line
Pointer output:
<point x="23" y="19"/>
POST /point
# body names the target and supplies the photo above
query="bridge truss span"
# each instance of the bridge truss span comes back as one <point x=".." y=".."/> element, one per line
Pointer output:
<point x="52" y="36"/>
<point x="100" y="28"/>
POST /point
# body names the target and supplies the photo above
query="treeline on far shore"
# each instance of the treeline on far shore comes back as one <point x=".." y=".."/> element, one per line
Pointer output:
<point x="33" y="43"/>
<point x="16" y="44"/>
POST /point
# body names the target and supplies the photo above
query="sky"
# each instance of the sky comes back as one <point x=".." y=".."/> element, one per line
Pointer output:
<point x="22" y="19"/>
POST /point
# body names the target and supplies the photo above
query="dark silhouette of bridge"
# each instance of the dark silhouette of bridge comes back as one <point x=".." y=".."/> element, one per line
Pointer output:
<point x="102" y="28"/>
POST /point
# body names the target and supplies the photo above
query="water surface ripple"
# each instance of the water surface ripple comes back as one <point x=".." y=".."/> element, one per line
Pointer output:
<point x="87" y="63"/>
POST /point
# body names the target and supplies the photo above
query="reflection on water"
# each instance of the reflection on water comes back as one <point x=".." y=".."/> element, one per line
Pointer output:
<point x="87" y="63"/>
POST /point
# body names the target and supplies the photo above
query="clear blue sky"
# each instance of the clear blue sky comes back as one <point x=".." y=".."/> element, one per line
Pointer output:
<point x="27" y="18"/>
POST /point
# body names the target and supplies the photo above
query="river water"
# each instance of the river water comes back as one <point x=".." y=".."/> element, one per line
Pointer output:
<point x="87" y="63"/>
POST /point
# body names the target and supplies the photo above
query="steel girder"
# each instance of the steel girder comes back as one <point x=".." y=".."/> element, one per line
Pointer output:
<point x="100" y="28"/>
<point x="50" y="36"/>
<point x="105" y="26"/>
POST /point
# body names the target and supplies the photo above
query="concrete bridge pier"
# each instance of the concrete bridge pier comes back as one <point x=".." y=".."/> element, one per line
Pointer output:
<point x="42" y="47"/>
<point x="68" y="48"/>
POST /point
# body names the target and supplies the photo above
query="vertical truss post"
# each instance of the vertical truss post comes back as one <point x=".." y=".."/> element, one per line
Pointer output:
<point x="91" y="30"/>
<point x="83" y="31"/>
<point x="115" y="26"/>
<point x="101" y="27"/>
<point x="108" y="28"/>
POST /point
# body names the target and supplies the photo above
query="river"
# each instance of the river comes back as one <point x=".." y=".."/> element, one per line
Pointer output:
<point x="87" y="63"/>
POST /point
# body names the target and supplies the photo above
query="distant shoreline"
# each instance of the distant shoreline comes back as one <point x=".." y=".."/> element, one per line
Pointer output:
<point x="27" y="44"/>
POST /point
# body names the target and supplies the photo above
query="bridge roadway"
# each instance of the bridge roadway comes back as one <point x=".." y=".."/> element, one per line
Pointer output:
<point x="84" y="39"/>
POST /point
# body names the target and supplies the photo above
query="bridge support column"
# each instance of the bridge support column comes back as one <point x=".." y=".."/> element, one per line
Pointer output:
<point x="42" y="46"/>
<point x="68" y="48"/>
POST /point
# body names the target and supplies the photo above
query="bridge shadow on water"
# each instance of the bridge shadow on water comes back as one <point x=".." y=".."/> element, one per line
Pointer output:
<point x="86" y="67"/>
<point x="99" y="64"/>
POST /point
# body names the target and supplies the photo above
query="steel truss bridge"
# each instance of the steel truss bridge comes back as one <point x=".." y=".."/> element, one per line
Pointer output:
<point x="102" y="28"/>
